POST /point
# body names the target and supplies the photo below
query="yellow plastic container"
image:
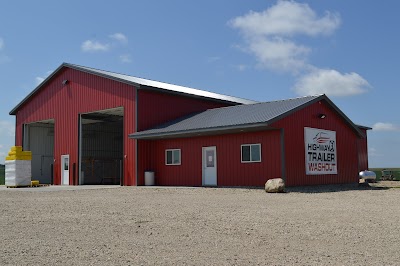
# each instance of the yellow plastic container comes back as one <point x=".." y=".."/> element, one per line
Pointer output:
<point x="23" y="158"/>
<point x="20" y="153"/>
<point x="16" y="153"/>
<point x="35" y="183"/>
<point x="16" y="148"/>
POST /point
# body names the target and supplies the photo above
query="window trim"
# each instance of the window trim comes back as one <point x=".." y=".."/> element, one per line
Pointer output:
<point x="249" y="145"/>
<point x="172" y="151"/>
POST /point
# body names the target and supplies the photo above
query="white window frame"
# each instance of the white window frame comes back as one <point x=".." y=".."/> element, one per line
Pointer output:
<point x="241" y="153"/>
<point x="172" y="151"/>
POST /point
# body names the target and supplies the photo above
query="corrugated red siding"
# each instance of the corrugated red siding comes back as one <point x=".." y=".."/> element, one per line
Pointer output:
<point x="88" y="93"/>
<point x="155" y="108"/>
<point x="84" y="93"/>
<point x="363" y="152"/>
<point x="346" y="138"/>
<point x="230" y="170"/>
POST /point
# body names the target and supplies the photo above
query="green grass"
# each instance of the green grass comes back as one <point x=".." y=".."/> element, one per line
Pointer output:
<point x="2" y="170"/>
<point x="378" y="172"/>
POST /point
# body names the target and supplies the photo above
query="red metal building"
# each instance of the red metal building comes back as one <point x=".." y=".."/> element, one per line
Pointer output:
<point x="89" y="126"/>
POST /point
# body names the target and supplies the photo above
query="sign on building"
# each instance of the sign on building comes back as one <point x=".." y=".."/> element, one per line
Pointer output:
<point x="320" y="148"/>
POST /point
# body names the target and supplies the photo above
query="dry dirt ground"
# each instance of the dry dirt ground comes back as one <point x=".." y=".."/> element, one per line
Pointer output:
<point x="334" y="225"/>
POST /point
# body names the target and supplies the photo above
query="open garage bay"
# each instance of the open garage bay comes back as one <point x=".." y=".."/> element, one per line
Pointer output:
<point x="200" y="226"/>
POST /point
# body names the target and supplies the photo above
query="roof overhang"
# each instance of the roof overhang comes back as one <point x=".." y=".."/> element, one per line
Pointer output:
<point x="148" y="134"/>
<point x="364" y="127"/>
<point x="203" y="132"/>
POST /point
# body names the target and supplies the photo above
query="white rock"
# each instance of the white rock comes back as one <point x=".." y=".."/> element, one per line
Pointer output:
<point x="275" y="185"/>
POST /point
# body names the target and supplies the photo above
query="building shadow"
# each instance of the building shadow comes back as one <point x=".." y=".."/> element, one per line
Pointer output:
<point x="334" y="188"/>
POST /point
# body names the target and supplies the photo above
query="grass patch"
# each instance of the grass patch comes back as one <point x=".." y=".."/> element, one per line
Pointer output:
<point x="2" y="174"/>
<point x="378" y="172"/>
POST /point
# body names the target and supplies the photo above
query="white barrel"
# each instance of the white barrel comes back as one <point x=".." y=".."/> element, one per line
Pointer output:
<point x="149" y="178"/>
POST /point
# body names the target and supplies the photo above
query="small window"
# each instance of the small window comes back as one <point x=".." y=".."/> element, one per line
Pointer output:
<point x="251" y="153"/>
<point x="66" y="163"/>
<point x="173" y="157"/>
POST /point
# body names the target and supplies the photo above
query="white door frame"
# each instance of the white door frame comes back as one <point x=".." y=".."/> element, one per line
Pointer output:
<point x="204" y="166"/>
<point x="63" y="171"/>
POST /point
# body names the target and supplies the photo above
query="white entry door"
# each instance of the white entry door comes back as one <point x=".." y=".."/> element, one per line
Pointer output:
<point x="209" y="166"/>
<point x="65" y="169"/>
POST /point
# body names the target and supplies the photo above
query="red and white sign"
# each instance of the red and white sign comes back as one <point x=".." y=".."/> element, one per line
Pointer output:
<point x="320" y="148"/>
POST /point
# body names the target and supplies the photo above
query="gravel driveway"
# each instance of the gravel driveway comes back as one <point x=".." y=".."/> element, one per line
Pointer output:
<point x="334" y="225"/>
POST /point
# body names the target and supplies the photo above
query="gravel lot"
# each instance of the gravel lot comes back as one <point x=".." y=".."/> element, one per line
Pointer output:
<point x="333" y="225"/>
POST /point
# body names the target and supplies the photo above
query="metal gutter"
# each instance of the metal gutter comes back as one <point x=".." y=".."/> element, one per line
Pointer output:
<point x="364" y="127"/>
<point x="201" y="131"/>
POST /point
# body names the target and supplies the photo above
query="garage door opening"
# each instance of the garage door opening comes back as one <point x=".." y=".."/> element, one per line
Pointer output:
<point x="39" y="139"/>
<point x="101" y="147"/>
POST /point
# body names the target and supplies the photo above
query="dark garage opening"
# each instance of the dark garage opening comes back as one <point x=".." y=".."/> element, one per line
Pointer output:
<point x="39" y="139"/>
<point x="101" y="147"/>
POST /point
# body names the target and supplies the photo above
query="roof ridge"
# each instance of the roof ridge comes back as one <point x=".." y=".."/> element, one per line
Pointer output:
<point x="274" y="101"/>
<point x="296" y="98"/>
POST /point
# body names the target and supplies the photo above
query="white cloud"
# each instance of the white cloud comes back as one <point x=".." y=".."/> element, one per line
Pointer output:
<point x="385" y="127"/>
<point x="94" y="46"/>
<point x="269" y="36"/>
<point x="39" y="80"/>
<point x="286" y="18"/>
<point x="332" y="83"/>
<point x="119" y="37"/>
<point x="1" y="43"/>
<point x="279" y="54"/>
<point x="7" y="128"/>
<point x="125" y="58"/>
<point x="267" y="33"/>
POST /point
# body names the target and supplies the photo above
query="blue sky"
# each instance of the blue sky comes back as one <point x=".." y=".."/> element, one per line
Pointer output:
<point x="260" y="50"/>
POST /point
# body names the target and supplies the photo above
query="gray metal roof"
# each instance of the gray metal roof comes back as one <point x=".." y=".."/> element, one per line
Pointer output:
<point x="236" y="118"/>
<point x="228" y="118"/>
<point x="364" y="127"/>
<point x="141" y="83"/>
